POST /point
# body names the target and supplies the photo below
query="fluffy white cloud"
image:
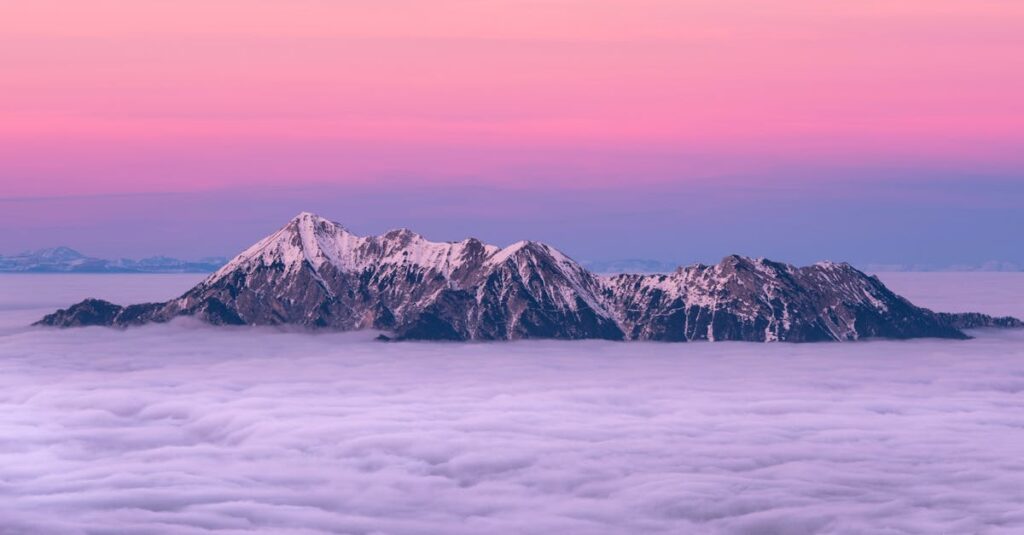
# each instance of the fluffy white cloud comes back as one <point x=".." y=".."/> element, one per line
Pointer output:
<point x="189" y="429"/>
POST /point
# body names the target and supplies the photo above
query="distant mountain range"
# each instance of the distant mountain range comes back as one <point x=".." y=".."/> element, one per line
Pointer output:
<point x="648" y="266"/>
<point x="315" y="273"/>
<point x="67" y="260"/>
<point x="629" y="265"/>
<point x="994" y="266"/>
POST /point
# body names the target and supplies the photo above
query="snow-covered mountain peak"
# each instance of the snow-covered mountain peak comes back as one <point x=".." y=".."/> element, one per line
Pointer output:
<point x="310" y="216"/>
<point x="550" y="276"/>
<point x="58" y="253"/>
<point x="828" y="265"/>
<point x="403" y="239"/>
<point x="306" y="239"/>
<point x="527" y="247"/>
<point x="402" y="236"/>
<point x="473" y="244"/>
<point x="313" y="272"/>
<point x="308" y="223"/>
<point x="508" y="252"/>
<point x="314" y="241"/>
<point x="734" y="266"/>
<point x="739" y="262"/>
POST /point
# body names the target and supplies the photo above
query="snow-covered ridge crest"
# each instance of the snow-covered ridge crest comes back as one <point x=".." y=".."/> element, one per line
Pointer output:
<point x="570" y="281"/>
<point x="306" y="238"/>
<point x="309" y="239"/>
<point x="315" y="273"/>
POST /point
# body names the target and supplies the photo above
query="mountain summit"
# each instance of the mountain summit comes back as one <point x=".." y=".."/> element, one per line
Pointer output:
<point x="315" y="273"/>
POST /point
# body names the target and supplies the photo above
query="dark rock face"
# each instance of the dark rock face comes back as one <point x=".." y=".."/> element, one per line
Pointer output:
<point x="88" y="312"/>
<point x="973" y="320"/>
<point x="316" y="274"/>
<point x="760" y="300"/>
<point x="530" y="291"/>
<point x="100" y="312"/>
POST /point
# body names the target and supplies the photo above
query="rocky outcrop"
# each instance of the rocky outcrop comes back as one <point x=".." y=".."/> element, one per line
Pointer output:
<point x="974" y="320"/>
<point x="315" y="273"/>
<point x="761" y="300"/>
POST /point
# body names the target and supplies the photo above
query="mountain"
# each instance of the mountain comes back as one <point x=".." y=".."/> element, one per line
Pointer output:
<point x="994" y="266"/>
<point x="57" y="259"/>
<point x="317" y="274"/>
<point x="67" y="260"/>
<point x="745" y="299"/>
<point x="628" y="265"/>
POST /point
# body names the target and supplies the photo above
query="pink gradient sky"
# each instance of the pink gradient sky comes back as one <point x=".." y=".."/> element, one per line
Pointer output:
<point x="137" y="96"/>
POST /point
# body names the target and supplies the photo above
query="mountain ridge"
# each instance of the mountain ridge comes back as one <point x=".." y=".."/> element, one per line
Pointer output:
<point x="63" y="259"/>
<point x="313" y="272"/>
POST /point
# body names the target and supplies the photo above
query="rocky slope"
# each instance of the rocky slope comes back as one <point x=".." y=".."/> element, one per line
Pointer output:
<point x="317" y="274"/>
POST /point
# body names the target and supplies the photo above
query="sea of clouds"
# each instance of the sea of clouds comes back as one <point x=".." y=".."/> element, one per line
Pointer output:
<point x="184" y="428"/>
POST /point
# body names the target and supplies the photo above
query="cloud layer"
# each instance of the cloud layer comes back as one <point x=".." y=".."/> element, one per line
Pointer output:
<point x="188" y="429"/>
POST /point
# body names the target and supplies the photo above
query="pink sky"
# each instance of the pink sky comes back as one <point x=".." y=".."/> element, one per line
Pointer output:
<point x="116" y="96"/>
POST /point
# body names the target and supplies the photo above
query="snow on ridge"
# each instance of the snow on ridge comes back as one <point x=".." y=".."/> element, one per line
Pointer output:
<point x="581" y="283"/>
<point x="312" y="240"/>
<point x="309" y="238"/>
<point x="301" y="240"/>
<point x="316" y="241"/>
<point x="507" y="252"/>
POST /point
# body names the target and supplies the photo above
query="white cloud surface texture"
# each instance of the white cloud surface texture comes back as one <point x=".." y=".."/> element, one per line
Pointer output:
<point x="184" y="428"/>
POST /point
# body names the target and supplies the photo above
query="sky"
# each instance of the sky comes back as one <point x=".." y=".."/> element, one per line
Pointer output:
<point x="679" y="130"/>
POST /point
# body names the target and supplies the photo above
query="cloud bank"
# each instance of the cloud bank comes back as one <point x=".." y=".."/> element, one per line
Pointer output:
<point x="183" y="428"/>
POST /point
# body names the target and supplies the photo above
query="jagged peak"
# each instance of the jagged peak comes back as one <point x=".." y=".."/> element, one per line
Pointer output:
<point x="310" y="222"/>
<point x="530" y="246"/>
<point x="507" y="252"/>
<point x="828" y="264"/>
<point x="61" y="251"/>
<point x="735" y="263"/>
<point x="307" y="237"/>
<point x="467" y="289"/>
<point x="735" y="260"/>
<point x="402" y="235"/>
<point x="309" y="216"/>
<point x="471" y="246"/>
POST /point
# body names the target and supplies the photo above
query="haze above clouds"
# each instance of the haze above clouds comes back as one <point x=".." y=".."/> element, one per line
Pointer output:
<point x="189" y="429"/>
